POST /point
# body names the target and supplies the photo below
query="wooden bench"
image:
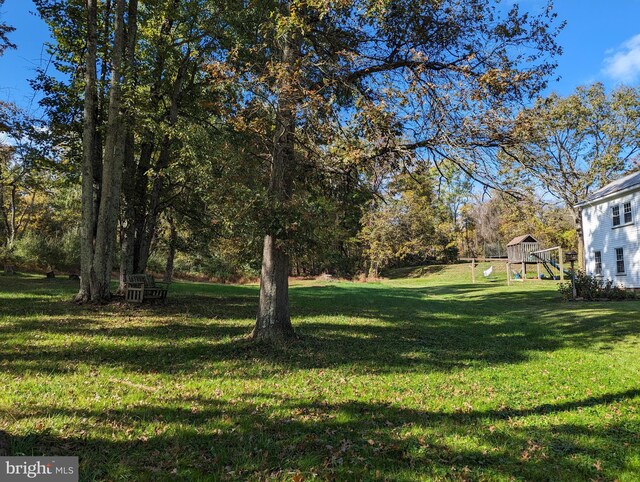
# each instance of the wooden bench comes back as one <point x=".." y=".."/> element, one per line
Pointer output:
<point x="140" y="287"/>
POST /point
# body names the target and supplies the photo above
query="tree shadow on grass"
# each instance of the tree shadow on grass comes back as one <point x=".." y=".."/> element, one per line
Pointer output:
<point x="379" y="328"/>
<point x="352" y="440"/>
<point x="364" y="329"/>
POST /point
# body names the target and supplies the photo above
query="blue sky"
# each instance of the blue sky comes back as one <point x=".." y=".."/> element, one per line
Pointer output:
<point x="601" y="43"/>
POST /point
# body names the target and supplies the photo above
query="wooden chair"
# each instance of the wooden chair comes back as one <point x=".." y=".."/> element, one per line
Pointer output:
<point x="140" y="287"/>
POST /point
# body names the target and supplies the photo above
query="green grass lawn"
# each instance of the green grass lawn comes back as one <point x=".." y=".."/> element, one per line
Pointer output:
<point x="426" y="378"/>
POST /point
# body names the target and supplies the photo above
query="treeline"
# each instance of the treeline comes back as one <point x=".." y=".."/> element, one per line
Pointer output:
<point x="416" y="218"/>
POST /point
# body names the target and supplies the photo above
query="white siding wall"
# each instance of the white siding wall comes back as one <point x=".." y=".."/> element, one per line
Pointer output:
<point x="600" y="235"/>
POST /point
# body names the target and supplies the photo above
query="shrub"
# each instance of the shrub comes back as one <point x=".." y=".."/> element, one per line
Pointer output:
<point x="450" y="254"/>
<point x="591" y="288"/>
<point x="41" y="251"/>
<point x="203" y="266"/>
<point x="70" y="245"/>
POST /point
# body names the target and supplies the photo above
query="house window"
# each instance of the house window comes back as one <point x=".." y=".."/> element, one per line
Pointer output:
<point x="615" y="211"/>
<point x="628" y="216"/>
<point x="619" y="261"/>
<point x="598" y="259"/>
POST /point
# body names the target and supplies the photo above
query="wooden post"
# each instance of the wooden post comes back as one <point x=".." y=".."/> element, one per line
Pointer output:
<point x="524" y="271"/>
<point x="508" y="274"/>
<point x="560" y="263"/>
<point x="473" y="271"/>
<point x="538" y="268"/>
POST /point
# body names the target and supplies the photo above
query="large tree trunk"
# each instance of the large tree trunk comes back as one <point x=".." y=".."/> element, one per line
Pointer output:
<point x="140" y="197"/>
<point x="127" y="226"/>
<point x="89" y="150"/>
<point x="111" y="173"/>
<point x="274" y="321"/>
<point x="127" y="229"/>
<point x="171" y="254"/>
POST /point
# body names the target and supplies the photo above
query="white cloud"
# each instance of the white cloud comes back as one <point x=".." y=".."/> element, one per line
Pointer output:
<point x="623" y="63"/>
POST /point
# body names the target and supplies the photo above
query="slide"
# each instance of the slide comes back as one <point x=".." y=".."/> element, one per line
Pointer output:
<point x="552" y="275"/>
<point x="547" y="262"/>
<point x="556" y="266"/>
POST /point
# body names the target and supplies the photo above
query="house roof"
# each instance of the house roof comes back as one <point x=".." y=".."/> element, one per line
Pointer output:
<point x="525" y="238"/>
<point x="624" y="183"/>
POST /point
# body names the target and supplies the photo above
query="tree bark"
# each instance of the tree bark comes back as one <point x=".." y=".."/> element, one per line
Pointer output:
<point x="89" y="150"/>
<point x="171" y="253"/>
<point x="274" y="321"/>
<point x="139" y="197"/>
<point x="111" y="173"/>
<point x="127" y="229"/>
<point x="127" y="226"/>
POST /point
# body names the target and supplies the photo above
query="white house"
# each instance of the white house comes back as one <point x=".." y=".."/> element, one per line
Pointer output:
<point x="611" y="226"/>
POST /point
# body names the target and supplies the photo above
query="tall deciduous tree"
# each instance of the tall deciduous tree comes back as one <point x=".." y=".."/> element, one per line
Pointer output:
<point x="573" y="145"/>
<point x="89" y="151"/>
<point x="331" y="84"/>
<point x="109" y="206"/>
<point x="160" y="53"/>
<point x="101" y="202"/>
<point x="166" y="102"/>
<point x="273" y="313"/>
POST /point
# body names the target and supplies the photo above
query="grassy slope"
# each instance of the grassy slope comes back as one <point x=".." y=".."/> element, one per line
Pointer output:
<point x="406" y="379"/>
